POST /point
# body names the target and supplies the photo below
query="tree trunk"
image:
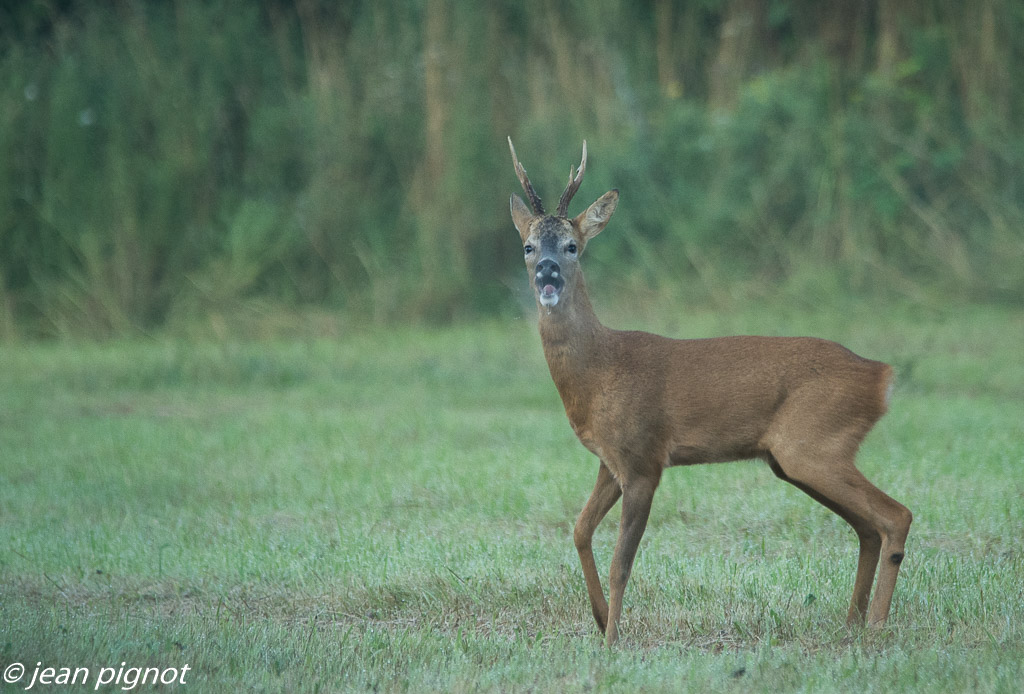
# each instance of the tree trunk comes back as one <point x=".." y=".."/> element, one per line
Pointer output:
<point x="738" y="41"/>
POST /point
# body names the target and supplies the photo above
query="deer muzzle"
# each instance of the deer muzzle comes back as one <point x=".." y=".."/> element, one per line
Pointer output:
<point x="549" y="281"/>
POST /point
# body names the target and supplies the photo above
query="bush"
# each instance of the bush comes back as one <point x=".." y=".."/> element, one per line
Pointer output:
<point x="160" y="160"/>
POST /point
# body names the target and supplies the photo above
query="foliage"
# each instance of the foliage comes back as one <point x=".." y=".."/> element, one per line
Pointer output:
<point x="166" y="160"/>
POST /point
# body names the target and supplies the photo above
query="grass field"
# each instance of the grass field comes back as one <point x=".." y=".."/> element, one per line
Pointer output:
<point x="393" y="512"/>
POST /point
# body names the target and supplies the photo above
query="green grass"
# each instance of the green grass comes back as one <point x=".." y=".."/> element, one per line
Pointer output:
<point x="392" y="511"/>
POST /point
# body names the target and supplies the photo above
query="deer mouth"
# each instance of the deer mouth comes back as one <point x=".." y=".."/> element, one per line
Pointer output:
<point x="548" y="293"/>
<point x="549" y="288"/>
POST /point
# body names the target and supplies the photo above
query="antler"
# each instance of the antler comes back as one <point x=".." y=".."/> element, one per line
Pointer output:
<point x="574" y="183"/>
<point x="538" y="208"/>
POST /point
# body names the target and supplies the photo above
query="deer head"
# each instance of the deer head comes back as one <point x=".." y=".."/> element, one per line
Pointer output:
<point x="553" y="244"/>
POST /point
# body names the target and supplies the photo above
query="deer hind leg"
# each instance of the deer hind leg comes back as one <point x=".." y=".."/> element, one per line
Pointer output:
<point x="870" y="547"/>
<point x="637" y="495"/>
<point x="606" y="493"/>
<point x="880" y="522"/>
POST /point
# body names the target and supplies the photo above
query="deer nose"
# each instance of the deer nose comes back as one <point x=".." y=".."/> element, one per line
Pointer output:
<point x="548" y="268"/>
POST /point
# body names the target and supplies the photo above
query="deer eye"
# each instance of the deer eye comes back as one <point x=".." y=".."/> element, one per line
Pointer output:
<point x="571" y="248"/>
<point x="527" y="249"/>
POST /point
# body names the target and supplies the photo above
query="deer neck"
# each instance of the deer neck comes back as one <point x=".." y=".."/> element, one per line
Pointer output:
<point x="574" y="341"/>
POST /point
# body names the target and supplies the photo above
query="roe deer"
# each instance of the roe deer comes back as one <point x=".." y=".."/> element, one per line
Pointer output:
<point x="641" y="403"/>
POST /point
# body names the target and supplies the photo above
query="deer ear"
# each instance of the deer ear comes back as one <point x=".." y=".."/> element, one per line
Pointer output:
<point x="521" y="216"/>
<point x="591" y="221"/>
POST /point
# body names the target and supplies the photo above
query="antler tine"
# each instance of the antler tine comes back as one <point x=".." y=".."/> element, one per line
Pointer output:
<point x="574" y="183"/>
<point x="535" y="203"/>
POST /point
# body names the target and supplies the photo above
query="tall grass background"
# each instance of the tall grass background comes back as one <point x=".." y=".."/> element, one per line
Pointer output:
<point x="164" y="164"/>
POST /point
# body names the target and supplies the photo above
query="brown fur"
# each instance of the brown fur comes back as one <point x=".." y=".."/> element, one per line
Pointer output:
<point x="642" y="402"/>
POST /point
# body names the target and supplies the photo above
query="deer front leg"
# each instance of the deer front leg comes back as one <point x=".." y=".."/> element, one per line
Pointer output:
<point x="606" y="493"/>
<point x="636" y="508"/>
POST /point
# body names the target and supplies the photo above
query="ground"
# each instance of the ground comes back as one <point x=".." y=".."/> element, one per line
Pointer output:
<point x="393" y="511"/>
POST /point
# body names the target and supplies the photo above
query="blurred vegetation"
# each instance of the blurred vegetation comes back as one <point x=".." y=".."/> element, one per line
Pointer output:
<point x="167" y="160"/>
